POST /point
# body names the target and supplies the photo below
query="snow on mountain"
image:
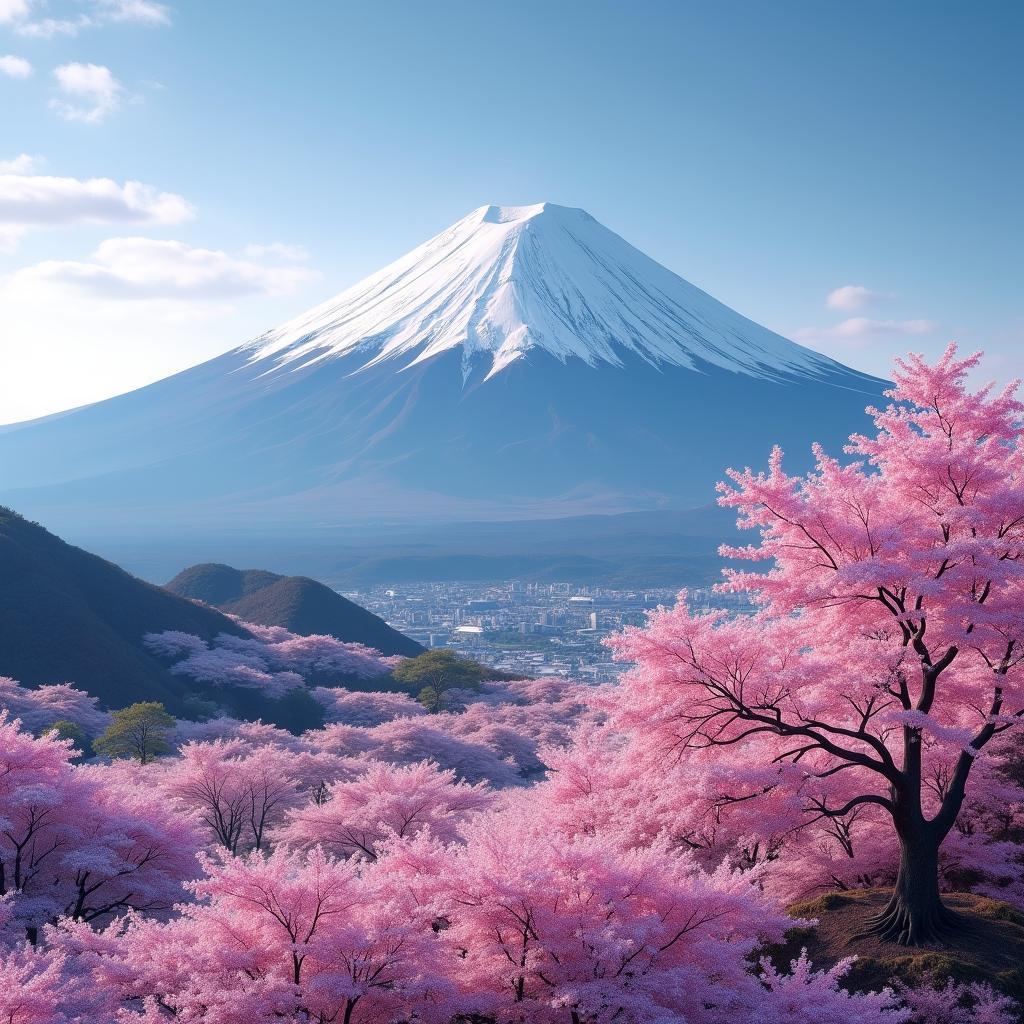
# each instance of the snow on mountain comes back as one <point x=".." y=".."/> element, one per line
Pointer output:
<point x="508" y="279"/>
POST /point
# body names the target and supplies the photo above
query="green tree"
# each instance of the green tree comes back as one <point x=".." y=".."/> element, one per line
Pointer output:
<point x="67" y="730"/>
<point x="431" y="699"/>
<point x="139" y="730"/>
<point x="438" y="671"/>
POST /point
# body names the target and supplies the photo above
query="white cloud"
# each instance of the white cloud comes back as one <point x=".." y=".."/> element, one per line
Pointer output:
<point x="15" y="67"/>
<point x="133" y="312"/>
<point x="35" y="200"/>
<point x="13" y="10"/>
<point x="279" y="251"/>
<point x="62" y="349"/>
<point x="852" y="297"/>
<point x="47" y="28"/>
<point x="862" y="326"/>
<point x="93" y="90"/>
<point x="10" y="236"/>
<point x="100" y="12"/>
<point x="145" y="12"/>
<point x="21" y="164"/>
<point x="859" y="329"/>
<point x="147" y="268"/>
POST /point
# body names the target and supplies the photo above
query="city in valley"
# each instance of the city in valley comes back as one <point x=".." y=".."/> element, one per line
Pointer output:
<point x="539" y="629"/>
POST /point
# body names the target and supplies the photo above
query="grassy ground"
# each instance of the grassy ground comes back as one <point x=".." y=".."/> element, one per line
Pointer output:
<point x="990" y="947"/>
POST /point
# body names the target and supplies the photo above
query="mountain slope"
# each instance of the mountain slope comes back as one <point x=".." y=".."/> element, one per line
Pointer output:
<point x="69" y="616"/>
<point x="298" y="603"/>
<point x="525" y="363"/>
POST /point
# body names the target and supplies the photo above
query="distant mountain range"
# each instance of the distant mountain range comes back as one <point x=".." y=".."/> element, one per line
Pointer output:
<point x="628" y="550"/>
<point x="525" y="363"/>
<point x="298" y="603"/>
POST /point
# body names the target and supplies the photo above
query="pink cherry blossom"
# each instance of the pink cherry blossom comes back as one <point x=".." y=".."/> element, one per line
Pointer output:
<point x="382" y="802"/>
<point x="889" y="636"/>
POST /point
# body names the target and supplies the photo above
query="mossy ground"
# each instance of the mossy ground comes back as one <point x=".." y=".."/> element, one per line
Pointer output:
<point x="989" y="948"/>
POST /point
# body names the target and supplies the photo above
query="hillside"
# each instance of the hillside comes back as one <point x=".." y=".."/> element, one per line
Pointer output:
<point x="990" y="948"/>
<point x="69" y="616"/>
<point x="298" y="603"/>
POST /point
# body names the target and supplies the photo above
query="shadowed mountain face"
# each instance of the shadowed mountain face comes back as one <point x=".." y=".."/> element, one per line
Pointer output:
<point x="525" y="363"/>
<point x="69" y="616"/>
<point x="298" y="603"/>
<point x="219" y="444"/>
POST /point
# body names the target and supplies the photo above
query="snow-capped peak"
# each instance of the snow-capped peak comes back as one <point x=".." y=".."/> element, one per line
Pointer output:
<point x="506" y="280"/>
<point x="510" y="214"/>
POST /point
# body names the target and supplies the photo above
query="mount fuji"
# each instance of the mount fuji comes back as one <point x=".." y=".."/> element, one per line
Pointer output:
<point x="524" y="363"/>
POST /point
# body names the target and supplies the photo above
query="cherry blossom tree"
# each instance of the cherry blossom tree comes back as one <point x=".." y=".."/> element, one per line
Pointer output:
<point x="807" y="996"/>
<point x="271" y="660"/>
<point x="510" y="928"/>
<point x="410" y="740"/>
<point x="548" y="931"/>
<point x="383" y="802"/>
<point x="285" y="937"/>
<point x="365" y="709"/>
<point x="245" y="668"/>
<point x="84" y="842"/>
<point x="132" y="852"/>
<point x="38" y="708"/>
<point x="39" y="796"/>
<point x="220" y="728"/>
<point x="957" y="1002"/>
<point x="889" y="631"/>
<point x="41" y="987"/>
<point x="238" y="793"/>
<point x="982" y="852"/>
<point x="518" y="718"/>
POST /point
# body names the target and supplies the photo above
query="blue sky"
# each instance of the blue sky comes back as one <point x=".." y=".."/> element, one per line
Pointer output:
<point x="775" y="154"/>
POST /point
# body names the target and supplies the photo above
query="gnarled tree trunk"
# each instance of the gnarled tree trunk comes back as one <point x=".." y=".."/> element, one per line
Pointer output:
<point x="915" y="914"/>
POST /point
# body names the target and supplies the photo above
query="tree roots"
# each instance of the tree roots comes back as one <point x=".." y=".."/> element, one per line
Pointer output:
<point x="935" y="925"/>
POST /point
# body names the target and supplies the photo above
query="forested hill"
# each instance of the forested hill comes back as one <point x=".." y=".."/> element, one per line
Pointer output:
<point x="70" y="616"/>
<point x="300" y="604"/>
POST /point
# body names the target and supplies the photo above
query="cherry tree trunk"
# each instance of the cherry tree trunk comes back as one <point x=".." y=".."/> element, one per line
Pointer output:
<point x="915" y="914"/>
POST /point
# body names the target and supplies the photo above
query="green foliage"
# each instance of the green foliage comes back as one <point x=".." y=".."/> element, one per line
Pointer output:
<point x="441" y="668"/>
<point x="138" y="731"/>
<point x="438" y="671"/>
<point x="71" y="731"/>
<point x="430" y="698"/>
